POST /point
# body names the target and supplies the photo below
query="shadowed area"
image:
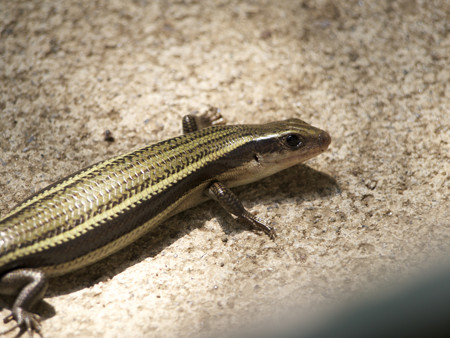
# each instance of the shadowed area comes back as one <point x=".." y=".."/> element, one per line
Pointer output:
<point x="370" y="210"/>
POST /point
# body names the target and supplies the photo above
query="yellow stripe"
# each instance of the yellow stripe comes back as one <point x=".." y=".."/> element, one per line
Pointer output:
<point x="60" y="186"/>
<point x="128" y="203"/>
<point x="194" y="143"/>
<point x="112" y="247"/>
<point x="188" y="143"/>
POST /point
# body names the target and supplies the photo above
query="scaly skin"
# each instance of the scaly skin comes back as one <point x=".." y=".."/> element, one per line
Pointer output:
<point x="101" y="209"/>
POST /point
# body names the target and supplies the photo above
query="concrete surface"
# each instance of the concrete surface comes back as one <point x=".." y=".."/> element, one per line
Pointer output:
<point x="371" y="210"/>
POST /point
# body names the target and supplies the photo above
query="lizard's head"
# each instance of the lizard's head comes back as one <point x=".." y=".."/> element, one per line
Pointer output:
<point x="276" y="146"/>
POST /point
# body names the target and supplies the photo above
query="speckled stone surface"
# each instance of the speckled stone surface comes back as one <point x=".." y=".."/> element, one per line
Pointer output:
<point x="375" y="207"/>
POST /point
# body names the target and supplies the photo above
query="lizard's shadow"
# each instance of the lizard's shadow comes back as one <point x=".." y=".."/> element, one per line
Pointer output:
<point x="300" y="182"/>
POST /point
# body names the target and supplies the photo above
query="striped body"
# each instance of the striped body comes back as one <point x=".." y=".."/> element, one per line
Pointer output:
<point x="101" y="209"/>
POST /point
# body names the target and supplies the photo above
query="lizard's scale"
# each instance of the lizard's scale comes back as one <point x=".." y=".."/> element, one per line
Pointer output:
<point x="95" y="212"/>
<point x="95" y="196"/>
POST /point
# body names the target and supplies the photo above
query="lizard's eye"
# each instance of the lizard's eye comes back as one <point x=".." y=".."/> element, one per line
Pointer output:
<point x="293" y="141"/>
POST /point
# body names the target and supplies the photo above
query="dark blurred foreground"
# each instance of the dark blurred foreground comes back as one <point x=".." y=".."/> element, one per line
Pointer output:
<point x="419" y="309"/>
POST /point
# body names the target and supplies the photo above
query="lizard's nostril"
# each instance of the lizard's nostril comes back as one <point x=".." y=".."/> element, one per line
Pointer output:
<point x="324" y="139"/>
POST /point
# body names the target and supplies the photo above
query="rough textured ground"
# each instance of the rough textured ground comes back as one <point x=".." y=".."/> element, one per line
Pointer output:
<point x="375" y="74"/>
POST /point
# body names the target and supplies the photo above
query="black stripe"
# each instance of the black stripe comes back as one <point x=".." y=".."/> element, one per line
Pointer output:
<point x="126" y="222"/>
<point x="169" y="168"/>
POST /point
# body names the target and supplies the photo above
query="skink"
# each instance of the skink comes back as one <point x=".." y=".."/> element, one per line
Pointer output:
<point x="101" y="209"/>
